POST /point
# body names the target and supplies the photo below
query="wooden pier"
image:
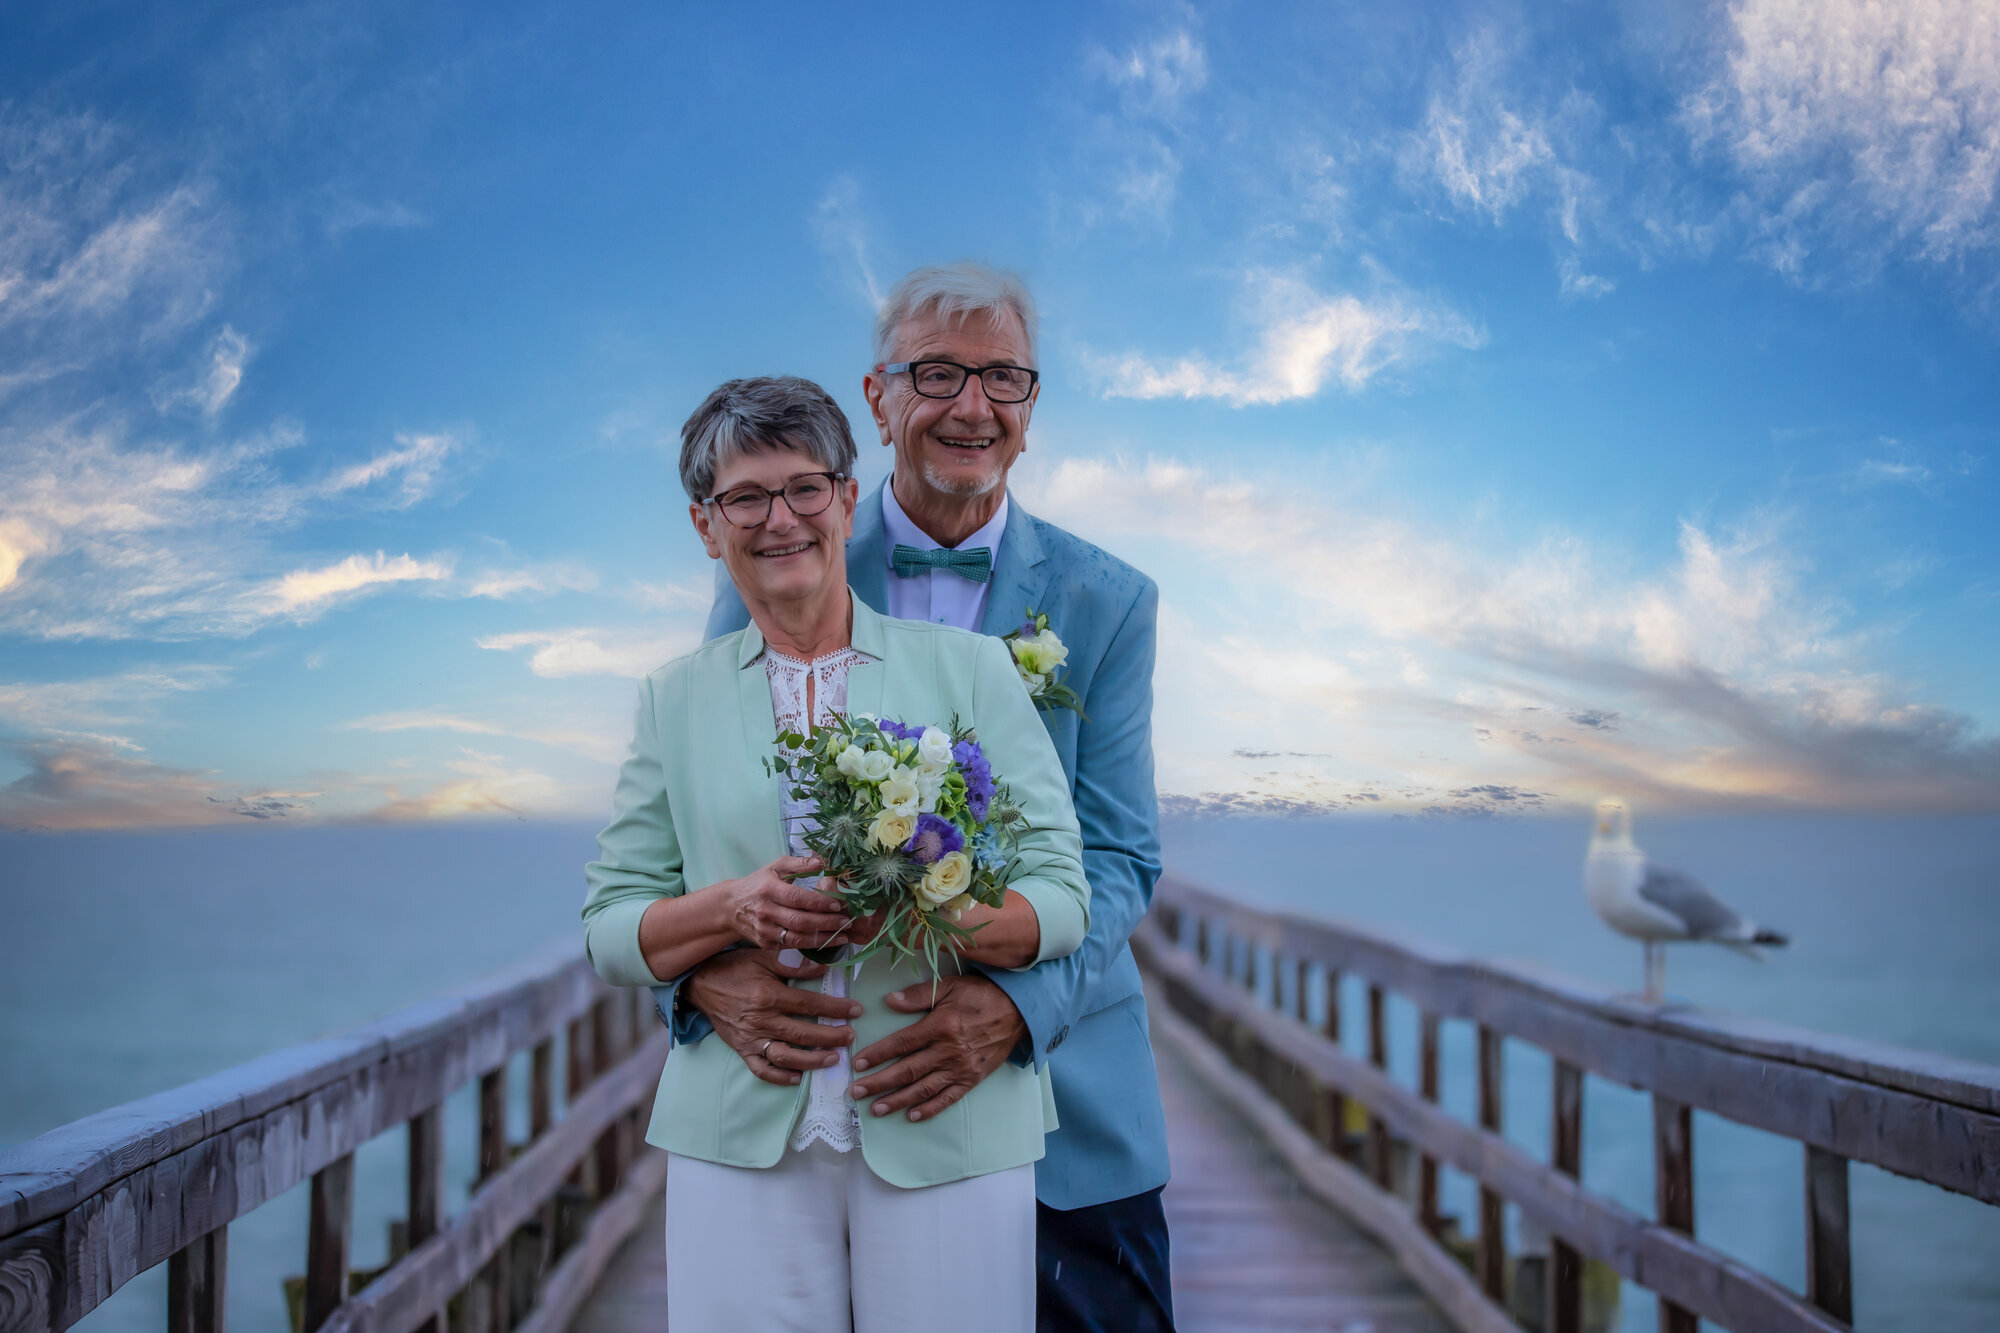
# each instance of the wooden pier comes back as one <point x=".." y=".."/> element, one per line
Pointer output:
<point x="1305" y="1190"/>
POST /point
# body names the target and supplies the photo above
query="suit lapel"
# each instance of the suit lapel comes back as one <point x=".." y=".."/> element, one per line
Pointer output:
<point x="864" y="679"/>
<point x="1020" y="574"/>
<point x="867" y="553"/>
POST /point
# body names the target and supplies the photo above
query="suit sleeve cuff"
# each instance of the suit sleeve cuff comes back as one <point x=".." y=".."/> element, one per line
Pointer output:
<point x="1061" y="918"/>
<point x="688" y="1024"/>
<point x="612" y="942"/>
<point x="1029" y="992"/>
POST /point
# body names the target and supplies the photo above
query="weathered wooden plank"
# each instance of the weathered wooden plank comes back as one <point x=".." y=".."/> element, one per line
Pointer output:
<point x="32" y="1290"/>
<point x="1829" y="1265"/>
<point x="1427" y="1088"/>
<point x="492" y="1122"/>
<point x="476" y="1029"/>
<point x="1673" y="1190"/>
<point x="1678" y="1267"/>
<point x="198" y="1285"/>
<point x="1492" y="1252"/>
<point x="1927" y="1122"/>
<point x="1436" y="1274"/>
<point x="329" y="1235"/>
<point x="1450" y="982"/>
<point x="408" y="1293"/>
<point x="1379" y="1159"/>
<point x="1564" y="1301"/>
<point x="571" y="1283"/>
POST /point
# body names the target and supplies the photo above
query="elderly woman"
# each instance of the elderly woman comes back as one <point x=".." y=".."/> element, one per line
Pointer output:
<point x="786" y="1209"/>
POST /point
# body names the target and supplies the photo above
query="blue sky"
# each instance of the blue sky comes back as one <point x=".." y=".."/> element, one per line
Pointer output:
<point x="1514" y="403"/>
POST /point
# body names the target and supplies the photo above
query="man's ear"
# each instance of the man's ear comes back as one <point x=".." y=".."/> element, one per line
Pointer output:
<point x="873" y="388"/>
<point x="699" y="515"/>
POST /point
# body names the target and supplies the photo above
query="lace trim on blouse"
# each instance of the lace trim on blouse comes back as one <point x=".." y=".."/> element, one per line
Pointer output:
<point x="830" y="1117"/>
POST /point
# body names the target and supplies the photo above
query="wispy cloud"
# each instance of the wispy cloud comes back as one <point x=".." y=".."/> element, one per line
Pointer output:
<point x="103" y="538"/>
<point x="842" y="236"/>
<point x="413" y="465"/>
<point x="1495" y="143"/>
<point x="1140" y="97"/>
<point x="630" y="653"/>
<point x="487" y="785"/>
<point x="1860" y="120"/>
<point x="1721" y="677"/>
<point x="602" y="747"/>
<point x="533" y="580"/>
<point x="306" y="593"/>
<point x="222" y="372"/>
<point x="1305" y="340"/>
<point x="87" y="783"/>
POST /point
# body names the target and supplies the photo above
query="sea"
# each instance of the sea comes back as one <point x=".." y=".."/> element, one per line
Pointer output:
<point x="134" y="962"/>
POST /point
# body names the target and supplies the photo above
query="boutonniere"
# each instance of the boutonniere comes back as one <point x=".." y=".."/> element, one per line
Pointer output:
<point x="1038" y="656"/>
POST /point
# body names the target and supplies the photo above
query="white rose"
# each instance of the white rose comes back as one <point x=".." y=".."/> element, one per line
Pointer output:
<point x="1040" y="655"/>
<point x="958" y="904"/>
<point x="934" y="750"/>
<point x="876" y="765"/>
<point x="900" y="792"/>
<point x="848" y="762"/>
<point x="891" y="829"/>
<point x="929" y="787"/>
<point x="949" y="876"/>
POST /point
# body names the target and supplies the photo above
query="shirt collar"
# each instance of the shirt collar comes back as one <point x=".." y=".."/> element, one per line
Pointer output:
<point x="901" y="531"/>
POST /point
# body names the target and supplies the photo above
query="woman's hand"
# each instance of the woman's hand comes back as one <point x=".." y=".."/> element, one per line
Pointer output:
<point x="771" y="912"/>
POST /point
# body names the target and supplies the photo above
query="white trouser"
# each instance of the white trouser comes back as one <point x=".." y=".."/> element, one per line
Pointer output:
<point x="786" y="1248"/>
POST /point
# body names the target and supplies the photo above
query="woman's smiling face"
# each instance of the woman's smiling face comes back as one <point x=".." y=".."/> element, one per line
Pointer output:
<point x="786" y="558"/>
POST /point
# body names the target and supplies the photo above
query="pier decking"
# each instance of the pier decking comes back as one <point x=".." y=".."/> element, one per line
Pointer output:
<point x="1251" y="1250"/>
<point x="1306" y="1178"/>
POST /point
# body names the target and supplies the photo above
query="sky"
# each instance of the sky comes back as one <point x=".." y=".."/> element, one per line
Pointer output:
<point x="1514" y="403"/>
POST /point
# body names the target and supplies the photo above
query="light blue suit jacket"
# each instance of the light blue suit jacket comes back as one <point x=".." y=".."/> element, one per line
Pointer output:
<point x="1085" y="1012"/>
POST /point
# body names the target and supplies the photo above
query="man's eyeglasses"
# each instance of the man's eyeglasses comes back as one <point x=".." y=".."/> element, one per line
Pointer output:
<point x="805" y="495"/>
<point x="945" y="379"/>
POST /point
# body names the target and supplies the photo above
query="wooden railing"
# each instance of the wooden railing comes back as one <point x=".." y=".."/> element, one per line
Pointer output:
<point x="1927" y="1117"/>
<point x="85" y="1208"/>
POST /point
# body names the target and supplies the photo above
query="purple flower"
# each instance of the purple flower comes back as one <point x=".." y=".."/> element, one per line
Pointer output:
<point x="889" y="727"/>
<point x="978" y="775"/>
<point x="936" y="837"/>
<point x="1028" y="629"/>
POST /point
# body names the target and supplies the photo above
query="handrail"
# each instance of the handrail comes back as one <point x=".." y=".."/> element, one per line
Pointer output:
<point x="1928" y="1117"/>
<point x="88" y="1206"/>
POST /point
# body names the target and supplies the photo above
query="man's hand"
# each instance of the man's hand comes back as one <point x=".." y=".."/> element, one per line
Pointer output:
<point x="971" y="1028"/>
<point x="771" y="1025"/>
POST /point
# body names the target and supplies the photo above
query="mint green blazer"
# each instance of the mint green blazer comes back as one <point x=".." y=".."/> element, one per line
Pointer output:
<point x="694" y="805"/>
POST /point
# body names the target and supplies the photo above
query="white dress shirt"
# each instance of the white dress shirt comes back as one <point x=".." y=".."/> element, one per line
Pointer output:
<point x="937" y="595"/>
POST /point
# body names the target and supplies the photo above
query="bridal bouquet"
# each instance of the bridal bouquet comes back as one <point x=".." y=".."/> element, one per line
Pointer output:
<point x="1038" y="656"/>
<point x="911" y="824"/>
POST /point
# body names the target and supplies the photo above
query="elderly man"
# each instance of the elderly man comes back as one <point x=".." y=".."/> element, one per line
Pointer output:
<point x="952" y="390"/>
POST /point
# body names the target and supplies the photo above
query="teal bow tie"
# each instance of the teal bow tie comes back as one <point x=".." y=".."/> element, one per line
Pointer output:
<point x="975" y="564"/>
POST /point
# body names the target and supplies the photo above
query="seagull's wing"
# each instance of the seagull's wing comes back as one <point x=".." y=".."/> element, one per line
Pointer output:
<point x="1705" y="916"/>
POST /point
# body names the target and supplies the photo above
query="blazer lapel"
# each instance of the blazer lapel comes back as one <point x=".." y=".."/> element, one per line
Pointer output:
<point x="867" y="553"/>
<point x="1020" y="574"/>
<point x="864" y="679"/>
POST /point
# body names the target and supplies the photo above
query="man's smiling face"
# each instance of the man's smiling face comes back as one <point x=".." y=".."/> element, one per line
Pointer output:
<point x="959" y="446"/>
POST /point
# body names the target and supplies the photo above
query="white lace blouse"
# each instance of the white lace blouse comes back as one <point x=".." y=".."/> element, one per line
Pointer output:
<point x="830" y="1116"/>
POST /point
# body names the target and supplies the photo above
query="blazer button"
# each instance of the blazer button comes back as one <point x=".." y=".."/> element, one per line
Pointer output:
<point x="1057" y="1040"/>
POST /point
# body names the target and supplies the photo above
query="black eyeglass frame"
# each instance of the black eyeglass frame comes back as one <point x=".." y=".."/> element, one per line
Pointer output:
<point x="771" y="497"/>
<point x="909" y="367"/>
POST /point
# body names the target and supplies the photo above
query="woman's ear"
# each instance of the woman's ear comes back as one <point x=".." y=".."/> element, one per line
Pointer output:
<point x="850" y="493"/>
<point x="703" y="525"/>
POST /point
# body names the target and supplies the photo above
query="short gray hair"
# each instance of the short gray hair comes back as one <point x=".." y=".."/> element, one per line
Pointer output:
<point x="953" y="292"/>
<point x="769" y="412"/>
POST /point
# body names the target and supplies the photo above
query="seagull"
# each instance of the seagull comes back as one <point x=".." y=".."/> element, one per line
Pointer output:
<point x="1638" y="897"/>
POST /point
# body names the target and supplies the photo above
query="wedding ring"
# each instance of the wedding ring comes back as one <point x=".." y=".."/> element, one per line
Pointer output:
<point x="764" y="1051"/>
<point x="782" y="933"/>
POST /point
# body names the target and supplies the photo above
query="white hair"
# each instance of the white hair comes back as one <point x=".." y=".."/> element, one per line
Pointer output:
<point x="953" y="292"/>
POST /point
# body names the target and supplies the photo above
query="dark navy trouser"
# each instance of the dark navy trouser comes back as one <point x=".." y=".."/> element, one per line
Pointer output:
<point x="1103" y="1269"/>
